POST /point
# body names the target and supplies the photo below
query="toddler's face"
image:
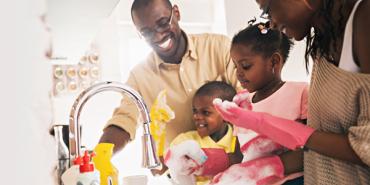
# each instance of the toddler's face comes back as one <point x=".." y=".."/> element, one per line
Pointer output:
<point x="253" y="70"/>
<point x="207" y="120"/>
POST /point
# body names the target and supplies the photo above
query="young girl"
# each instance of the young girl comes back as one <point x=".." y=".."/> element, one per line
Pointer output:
<point x="212" y="131"/>
<point x="337" y="149"/>
<point x="259" y="55"/>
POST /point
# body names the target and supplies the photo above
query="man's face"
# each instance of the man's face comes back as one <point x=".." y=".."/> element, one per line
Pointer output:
<point x="158" y="24"/>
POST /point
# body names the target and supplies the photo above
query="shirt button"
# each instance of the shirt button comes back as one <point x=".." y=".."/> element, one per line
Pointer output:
<point x="190" y="90"/>
<point x="181" y="69"/>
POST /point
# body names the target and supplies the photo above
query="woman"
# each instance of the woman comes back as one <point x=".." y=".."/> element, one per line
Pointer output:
<point x="337" y="141"/>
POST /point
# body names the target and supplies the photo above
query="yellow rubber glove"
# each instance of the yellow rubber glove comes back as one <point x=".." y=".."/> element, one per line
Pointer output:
<point x="160" y="114"/>
<point x="108" y="173"/>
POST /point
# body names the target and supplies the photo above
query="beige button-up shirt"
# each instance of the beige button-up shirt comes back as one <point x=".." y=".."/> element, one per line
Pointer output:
<point x="207" y="58"/>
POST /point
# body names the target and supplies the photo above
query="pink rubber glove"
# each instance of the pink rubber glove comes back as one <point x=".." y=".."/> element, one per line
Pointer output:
<point x="260" y="146"/>
<point x="217" y="161"/>
<point x="185" y="157"/>
<point x="288" y="133"/>
<point x="242" y="99"/>
<point x="188" y="158"/>
<point x="260" y="171"/>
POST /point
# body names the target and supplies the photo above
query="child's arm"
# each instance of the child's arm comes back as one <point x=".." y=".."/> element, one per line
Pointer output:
<point x="236" y="156"/>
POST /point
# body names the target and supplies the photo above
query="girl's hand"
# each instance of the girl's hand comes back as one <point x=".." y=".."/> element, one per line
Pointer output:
<point x="242" y="99"/>
<point x="286" y="132"/>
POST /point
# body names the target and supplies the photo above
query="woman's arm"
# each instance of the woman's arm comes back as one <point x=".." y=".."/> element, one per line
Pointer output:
<point x="338" y="145"/>
<point x="361" y="38"/>
<point x="292" y="161"/>
<point x="333" y="145"/>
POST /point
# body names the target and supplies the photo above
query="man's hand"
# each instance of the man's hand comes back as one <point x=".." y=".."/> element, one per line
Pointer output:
<point x="115" y="135"/>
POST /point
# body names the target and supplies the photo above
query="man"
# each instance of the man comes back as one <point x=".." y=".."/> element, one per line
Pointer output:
<point x="180" y="63"/>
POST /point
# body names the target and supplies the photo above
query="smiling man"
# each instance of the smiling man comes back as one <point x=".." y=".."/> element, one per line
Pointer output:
<point x="179" y="63"/>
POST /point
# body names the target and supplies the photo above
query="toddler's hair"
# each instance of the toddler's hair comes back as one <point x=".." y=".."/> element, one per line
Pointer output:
<point x="262" y="40"/>
<point x="218" y="89"/>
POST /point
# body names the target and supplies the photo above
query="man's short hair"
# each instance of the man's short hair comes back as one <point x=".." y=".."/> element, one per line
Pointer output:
<point x="138" y="4"/>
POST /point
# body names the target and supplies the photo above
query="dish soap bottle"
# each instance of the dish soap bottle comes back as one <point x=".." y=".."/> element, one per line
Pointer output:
<point x="88" y="176"/>
<point x="102" y="161"/>
<point x="69" y="177"/>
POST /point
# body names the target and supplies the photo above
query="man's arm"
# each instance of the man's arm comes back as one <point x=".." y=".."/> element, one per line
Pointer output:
<point x="123" y="121"/>
<point x="115" y="135"/>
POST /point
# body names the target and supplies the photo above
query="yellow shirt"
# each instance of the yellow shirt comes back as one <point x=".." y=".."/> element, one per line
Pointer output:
<point x="227" y="143"/>
<point x="207" y="58"/>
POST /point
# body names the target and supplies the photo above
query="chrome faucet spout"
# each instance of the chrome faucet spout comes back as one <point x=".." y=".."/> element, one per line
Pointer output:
<point x="150" y="159"/>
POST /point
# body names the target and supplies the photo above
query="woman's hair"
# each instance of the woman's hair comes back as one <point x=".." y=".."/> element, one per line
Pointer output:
<point x="324" y="43"/>
<point x="218" y="89"/>
<point x="263" y="40"/>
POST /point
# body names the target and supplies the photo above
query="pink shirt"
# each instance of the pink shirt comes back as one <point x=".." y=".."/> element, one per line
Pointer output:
<point x="289" y="102"/>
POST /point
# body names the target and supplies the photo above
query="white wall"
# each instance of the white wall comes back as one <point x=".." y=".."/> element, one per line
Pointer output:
<point x="28" y="154"/>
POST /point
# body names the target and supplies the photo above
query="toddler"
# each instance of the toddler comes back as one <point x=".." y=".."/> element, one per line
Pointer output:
<point x="212" y="131"/>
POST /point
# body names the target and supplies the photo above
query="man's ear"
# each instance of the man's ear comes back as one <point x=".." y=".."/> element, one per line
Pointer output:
<point x="176" y="12"/>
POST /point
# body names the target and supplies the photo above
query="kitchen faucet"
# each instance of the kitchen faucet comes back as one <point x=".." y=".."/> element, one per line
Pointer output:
<point x="150" y="159"/>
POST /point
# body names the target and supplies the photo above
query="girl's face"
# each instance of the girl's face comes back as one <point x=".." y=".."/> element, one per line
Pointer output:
<point x="253" y="70"/>
<point x="207" y="120"/>
<point x="293" y="17"/>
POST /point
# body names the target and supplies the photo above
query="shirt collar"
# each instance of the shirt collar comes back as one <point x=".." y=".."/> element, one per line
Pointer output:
<point x="226" y="141"/>
<point x="191" y="51"/>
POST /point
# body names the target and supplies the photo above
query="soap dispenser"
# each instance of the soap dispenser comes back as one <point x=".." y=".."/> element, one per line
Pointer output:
<point x="88" y="176"/>
<point x="69" y="177"/>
